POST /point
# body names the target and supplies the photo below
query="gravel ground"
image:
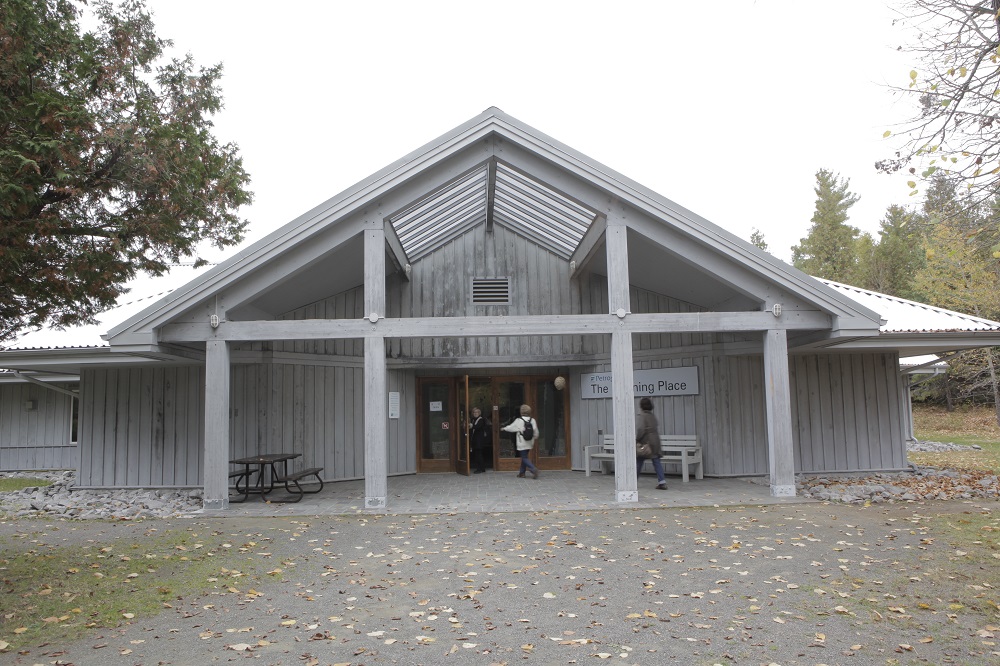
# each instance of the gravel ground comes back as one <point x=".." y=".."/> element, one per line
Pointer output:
<point x="790" y="585"/>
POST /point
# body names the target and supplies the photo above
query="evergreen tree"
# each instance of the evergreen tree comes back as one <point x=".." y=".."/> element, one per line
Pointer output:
<point x="757" y="239"/>
<point x="890" y="265"/>
<point x="828" y="250"/>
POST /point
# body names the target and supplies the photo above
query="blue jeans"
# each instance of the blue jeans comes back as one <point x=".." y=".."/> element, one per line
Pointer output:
<point x="527" y="464"/>
<point x="657" y="466"/>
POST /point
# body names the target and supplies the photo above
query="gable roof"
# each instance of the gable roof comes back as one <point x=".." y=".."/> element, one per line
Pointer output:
<point x="540" y="187"/>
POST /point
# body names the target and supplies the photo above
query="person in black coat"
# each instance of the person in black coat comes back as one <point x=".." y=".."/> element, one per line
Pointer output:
<point x="480" y="439"/>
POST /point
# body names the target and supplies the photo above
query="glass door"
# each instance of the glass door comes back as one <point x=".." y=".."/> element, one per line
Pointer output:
<point x="476" y="393"/>
<point x="510" y="395"/>
<point x="551" y="406"/>
<point x="435" y="425"/>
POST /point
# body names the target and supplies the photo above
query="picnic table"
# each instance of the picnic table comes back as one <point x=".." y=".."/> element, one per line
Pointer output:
<point x="268" y="475"/>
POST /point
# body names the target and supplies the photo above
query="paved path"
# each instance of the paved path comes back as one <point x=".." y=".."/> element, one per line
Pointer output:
<point x="798" y="584"/>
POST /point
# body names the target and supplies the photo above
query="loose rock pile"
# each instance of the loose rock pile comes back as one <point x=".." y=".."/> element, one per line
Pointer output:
<point x="58" y="501"/>
<point x="923" y="483"/>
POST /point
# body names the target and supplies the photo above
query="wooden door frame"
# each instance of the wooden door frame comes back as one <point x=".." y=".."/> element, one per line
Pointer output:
<point x="429" y="465"/>
<point x="457" y="439"/>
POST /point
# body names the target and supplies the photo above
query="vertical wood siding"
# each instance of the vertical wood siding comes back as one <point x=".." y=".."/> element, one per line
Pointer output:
<point x="847" y="413"/>
<point x="440" y="285"/>
<point x="145" y="427"/>
<point x="141" y="426"/>
<point x="36" y="439"/>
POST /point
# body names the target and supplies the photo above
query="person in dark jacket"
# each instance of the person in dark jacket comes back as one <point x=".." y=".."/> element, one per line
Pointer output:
<point x="480" y="439"/>
<point x="647" y="430"/>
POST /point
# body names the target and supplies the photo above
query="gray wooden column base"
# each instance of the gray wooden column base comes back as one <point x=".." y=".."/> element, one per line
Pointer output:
<point x="215" y="504"/>
<point x="375" y="502"/>
<point x="783" y="491"/>
<point x="627" y="495"/>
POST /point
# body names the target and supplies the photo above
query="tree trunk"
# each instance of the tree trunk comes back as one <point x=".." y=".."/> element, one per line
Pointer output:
<point x="993" y="383"/>
<point x="947" y="392"/>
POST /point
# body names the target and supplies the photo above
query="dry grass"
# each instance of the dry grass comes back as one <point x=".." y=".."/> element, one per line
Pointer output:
<point x="970" y="425"/>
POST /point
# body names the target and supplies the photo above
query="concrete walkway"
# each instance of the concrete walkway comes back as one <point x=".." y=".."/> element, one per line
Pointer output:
<point x="503" y="492"/>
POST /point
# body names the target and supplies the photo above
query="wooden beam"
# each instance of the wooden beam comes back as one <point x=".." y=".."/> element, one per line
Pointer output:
<point x="586" y="250"/>
<point x="394" y="248"/>
<point x="777" y="399"/>
<point x="623" y="414"/>
<point x="376" y="429"/>
<point x="216" y="468"/>
<point x="375" y="273"/>
<point x="616" y="249"/>
<point x="491" y="190"/>
<point x="462" y="327"/>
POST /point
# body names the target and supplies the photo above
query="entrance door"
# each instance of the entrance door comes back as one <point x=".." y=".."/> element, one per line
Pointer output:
<point x="475" y="392"/>
<point x="511" y="394"/>
<point x="444" y="412"/>
<point x="436" y="425"/>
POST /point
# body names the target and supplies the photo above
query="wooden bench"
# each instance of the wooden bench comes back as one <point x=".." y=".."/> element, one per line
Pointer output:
<point x="293" y="478"/>
<point x="683" y="450"/>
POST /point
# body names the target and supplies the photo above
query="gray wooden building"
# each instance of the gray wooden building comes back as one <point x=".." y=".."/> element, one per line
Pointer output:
<point x="492" y="267"/>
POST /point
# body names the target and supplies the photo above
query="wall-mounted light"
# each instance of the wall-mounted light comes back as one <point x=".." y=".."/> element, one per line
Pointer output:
<point x="213" y="321"/>
<point x="776" y="309"/>
<point x="407" y="269"/>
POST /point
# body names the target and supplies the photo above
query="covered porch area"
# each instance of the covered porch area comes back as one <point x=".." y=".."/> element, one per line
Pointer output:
<point x="503" y="492"/>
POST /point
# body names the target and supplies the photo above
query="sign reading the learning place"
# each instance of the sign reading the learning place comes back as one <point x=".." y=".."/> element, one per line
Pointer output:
<point x="663" y="381"/>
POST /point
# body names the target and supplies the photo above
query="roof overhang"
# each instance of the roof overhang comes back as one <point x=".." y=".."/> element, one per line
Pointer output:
<point x="910" y="344"/>
<point x="533" y="174"/>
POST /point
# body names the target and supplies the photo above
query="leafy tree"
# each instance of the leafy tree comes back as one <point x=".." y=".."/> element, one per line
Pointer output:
<point x="960" y="275"/>
<point x="757" y="239"/>
<point x="108" y="164"/>
<point x="828" y="249"/>
<point x="955" y="130"/>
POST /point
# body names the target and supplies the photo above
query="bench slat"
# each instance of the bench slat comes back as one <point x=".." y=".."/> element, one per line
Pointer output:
<point x="293" y="478"/>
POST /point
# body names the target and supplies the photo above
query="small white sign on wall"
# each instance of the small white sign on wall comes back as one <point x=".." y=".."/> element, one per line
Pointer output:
<point x="436" y="406"/>
<point x="661" y="381"/>
<point x="393" y="404"/>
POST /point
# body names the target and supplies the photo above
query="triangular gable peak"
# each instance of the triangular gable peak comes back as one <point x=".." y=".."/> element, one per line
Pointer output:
<point x="490" y="170"/>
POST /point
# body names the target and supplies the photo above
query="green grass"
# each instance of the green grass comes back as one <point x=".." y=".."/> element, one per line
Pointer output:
<point x="10" y="485"/>
<point x="58" y="593"/>
<point x="969" y="425"/>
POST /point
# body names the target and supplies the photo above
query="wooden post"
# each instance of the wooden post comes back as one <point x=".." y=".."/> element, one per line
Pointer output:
<point x="216" y="468"/>
<point x="623" y="398"/>
<point x="376" y="449"/>
<point x="780" y="453"/>
<point x="376" y="412"/>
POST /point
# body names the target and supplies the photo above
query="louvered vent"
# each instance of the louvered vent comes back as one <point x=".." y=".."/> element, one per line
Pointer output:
<point x="491" y="291"/>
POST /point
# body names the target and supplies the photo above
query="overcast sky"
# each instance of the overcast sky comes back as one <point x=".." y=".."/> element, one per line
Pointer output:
<point x="727" y="108"/>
